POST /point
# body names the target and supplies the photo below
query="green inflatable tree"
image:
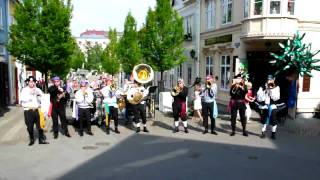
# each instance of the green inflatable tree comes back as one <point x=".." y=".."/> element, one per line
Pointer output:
<point x="296" y="58"/>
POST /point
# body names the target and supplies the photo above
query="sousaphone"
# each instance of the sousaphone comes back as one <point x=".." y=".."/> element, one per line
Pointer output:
<point x="142" y="73"/>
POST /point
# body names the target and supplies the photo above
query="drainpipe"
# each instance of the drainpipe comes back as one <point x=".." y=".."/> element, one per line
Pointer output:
<point x="198" y="26"/>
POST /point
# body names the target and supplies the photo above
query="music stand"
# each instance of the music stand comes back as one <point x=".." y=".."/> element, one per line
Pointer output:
<point x="152" y="89"/>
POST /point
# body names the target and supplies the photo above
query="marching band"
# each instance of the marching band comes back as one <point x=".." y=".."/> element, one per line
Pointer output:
<point x="132" y="97"/>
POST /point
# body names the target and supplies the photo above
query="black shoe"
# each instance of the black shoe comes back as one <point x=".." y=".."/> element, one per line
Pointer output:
<point x="108" y="130"/>
<point x="186" y="130"/>
<point x="245" y="133"/>
<point x="273" y="135"/>
<point x="205" y="131"/>
<point x="67" y="134"/>
<point x="138" y="130"/>
<point x="176" y="129"/>
<point x="31" y="142"/>
<point x="117" y="131"/>
<point x="43" y="142"/>
<point x="90" y="133"/>
<point x="145" y="129"/>
<point x="262" y="136"/>
<point x="55" y="135"/>
<point x="233" y="133"/>
<point x="214" y="132"/>
<point x="81" y="134"/>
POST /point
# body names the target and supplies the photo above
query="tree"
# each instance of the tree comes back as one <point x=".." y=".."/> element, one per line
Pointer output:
<point x="296" y="58"/>
<point x="129" y="49"/>
<point x="110" y="61"/>
<point x="77" y="59"/>
<point x="162" y="38"/>
<point x="41" y="37"/>
<point x="94" y="56"/>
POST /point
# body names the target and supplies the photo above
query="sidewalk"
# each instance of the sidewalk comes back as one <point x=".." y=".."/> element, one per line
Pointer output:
<point x="299" y="126"/>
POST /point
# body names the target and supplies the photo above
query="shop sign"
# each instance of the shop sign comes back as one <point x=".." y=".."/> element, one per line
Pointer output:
<point x="219" y="39"/>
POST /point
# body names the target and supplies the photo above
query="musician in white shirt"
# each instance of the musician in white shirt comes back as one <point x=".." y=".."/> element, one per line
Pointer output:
<point x="30" y="101"/>
<point x="137" y="94"/>
<point x="84" y="99"/>
<point x="110" y="95"/>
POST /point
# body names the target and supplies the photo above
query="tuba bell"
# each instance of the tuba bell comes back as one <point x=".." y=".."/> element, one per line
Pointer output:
<point x="142" y="73"/>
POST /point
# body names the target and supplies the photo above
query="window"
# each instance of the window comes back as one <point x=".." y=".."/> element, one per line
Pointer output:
<point x="274" y="7"/>
<point x="225" y="72"/>
<point x="209" y="65"/>
<point x="246" y="9"/>
<point x="291" y="7"/>
<point x="188" y="25"/>
<point x="258" y="7"/>
<point x="210" y="12"/>
<point x="189" y="75"/>
<point x="226" y="11"/>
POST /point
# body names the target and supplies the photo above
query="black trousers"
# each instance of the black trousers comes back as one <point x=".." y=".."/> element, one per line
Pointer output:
<point x="241" y="107"/>
<point x="273" y="119"/>
<point x="139" y="110"/>
<point x="179" y="111"/>
<point x="31" y="118"/>
<point x="59" y="112"/>
<point x="113" y="115"/>
<point x="84" y="115"/>
<point x="207" y="110"/>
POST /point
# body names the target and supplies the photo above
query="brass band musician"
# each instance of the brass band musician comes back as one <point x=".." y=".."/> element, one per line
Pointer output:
<point x="238" y="92"/>
<point x="84" y="99"/>
<point x="179" y="106"/>
<point x="268" y="97"/>
<point x="136" y="97"/>
<point x="30" y="102"/>
<point x="110" y="94"/>
<point x="58" y="97"/>
<point x="208" y="97"/>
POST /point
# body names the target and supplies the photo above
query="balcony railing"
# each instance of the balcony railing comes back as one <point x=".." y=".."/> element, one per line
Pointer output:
<point x="269" y="27"/>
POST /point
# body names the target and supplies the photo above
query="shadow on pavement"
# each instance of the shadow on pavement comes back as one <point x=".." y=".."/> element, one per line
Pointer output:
<point x="156" y="157"/>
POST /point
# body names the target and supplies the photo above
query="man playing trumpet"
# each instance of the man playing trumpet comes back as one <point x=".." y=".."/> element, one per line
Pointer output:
<point x="208" y="97"/>
<point x="179" y="106"/>
<point x="84" y="98"/>
<point x="268" y="97"/>
<point x="110" y="94"/>
<point x="59" y="98"/>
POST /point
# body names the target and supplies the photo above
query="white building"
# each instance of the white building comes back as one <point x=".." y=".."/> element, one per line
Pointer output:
<point x="246" y="31"/>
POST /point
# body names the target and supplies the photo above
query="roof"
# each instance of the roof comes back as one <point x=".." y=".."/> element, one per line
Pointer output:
<point x="94" y="33"/>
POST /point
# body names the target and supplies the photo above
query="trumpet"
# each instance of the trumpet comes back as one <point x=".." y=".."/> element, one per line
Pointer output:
<point x="208" y="84"/>
<point x="175" y="91"/>
<point x="113" y="87"/>
<point x="271" y="85"/>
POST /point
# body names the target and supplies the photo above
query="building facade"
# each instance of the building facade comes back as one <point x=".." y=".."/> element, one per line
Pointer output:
<point x="242" y="33"/>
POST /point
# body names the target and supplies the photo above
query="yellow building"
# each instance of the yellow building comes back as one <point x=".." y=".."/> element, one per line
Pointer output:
<point x="246" y="31"/>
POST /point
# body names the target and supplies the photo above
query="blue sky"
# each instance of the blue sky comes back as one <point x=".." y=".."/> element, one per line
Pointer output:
<point x="102" y="14"/>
